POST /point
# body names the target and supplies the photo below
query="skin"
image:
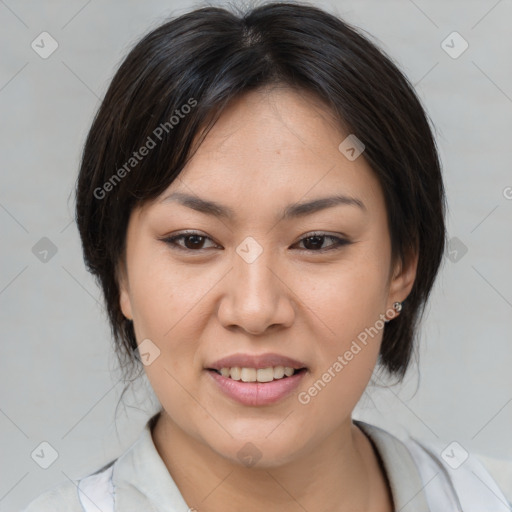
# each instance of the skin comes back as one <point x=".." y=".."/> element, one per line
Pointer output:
<point x="269" y="149"/>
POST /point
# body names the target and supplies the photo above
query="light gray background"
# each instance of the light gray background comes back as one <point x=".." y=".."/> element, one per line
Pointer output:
<point x="57" y="362"/>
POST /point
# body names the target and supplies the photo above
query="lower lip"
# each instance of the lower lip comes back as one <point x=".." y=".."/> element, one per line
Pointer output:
<point x="257" y="393"/>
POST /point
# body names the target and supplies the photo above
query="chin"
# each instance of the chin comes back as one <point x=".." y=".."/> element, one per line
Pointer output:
<point x="256" y="451"/>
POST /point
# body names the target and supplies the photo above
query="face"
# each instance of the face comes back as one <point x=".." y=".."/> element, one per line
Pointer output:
<point x="255" y="275"/>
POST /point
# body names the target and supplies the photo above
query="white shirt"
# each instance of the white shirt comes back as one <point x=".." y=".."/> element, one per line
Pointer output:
<point x="421" y="480"/>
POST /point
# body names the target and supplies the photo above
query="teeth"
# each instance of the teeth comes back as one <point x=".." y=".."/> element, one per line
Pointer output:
<point x="260" y="375"/>
<point x="288" y="371"/>
<point x="234" y="373"/>
<point x="278" y="372"/>
<point x="248" y="374"/>
<point x="265" y="374"/>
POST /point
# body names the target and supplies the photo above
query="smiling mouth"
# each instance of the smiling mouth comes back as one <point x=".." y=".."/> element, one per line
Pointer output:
<point x="260" y="375"/>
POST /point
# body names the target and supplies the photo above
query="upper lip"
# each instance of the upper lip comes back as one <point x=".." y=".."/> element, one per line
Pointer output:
<point x="255" y="361"/>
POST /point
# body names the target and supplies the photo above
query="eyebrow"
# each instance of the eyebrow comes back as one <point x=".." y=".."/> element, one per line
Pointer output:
<point x="291" y="211"/>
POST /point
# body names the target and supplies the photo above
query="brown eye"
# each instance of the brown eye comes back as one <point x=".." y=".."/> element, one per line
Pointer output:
<point x="315" y="242"/>
<point x="191" y="241"/>
<point x="194" y="241"/>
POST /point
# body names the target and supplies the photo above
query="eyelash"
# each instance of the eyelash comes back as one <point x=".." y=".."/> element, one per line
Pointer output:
<point x="338" y="241"/>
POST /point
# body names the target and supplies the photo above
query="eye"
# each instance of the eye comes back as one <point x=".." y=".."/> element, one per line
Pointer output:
<point x="314" y="242"/>
<point x="195" y="242"/>
<point x="192" y="241"/>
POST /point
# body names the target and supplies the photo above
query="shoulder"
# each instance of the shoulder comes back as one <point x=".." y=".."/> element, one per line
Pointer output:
<point x="119" y="483"/>
<point x="447" y="475"/>
<point x="477" y="482"/>
<point x="93" y="492"/>
<point x="501" y="471"/>
<point x="61" y="498"/>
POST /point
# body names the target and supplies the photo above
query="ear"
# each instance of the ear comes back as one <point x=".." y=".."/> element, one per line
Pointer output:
<point x="124" y="291"/>
<point x="402" y="279"/>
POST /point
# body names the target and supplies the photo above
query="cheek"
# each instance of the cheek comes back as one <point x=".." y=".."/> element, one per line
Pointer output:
<point x="346" y="298"/>
<point x="161" y="294"/>
<point x="168" y="310"/>
<point x="171" y="308"/>
<point x="346" y="305"/>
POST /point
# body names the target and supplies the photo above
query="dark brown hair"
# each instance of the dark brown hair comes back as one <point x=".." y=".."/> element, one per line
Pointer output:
<point x="176" y="81"/>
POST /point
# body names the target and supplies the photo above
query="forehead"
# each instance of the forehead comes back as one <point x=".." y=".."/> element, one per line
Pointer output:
<point x="275" y="146"/>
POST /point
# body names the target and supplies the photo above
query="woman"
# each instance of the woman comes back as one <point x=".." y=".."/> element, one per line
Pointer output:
<point x="261" y="200"/>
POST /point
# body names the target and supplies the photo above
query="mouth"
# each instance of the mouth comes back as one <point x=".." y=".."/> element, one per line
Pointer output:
<point x="257" y="387"/>
<point x="260" y="375"/>
<point x="256" y="379"/>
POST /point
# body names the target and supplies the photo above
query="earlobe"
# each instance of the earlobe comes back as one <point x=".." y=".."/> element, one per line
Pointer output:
<point x="403" y="279"/>
<point x="124" y="303"/>
<point x="124" y="296"/>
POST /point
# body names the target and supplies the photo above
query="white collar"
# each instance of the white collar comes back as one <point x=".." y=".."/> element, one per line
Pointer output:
<point x="140" y="475"/>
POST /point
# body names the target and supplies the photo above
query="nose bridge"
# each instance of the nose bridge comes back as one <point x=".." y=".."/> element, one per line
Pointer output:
<point x="254" y="280"/>
<point x="256" y="298"/>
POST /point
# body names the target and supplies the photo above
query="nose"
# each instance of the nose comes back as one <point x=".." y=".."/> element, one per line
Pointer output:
<point x="257" y="295"/>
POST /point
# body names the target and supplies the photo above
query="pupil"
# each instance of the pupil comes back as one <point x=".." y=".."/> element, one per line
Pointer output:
<point x="195" y="242"/>
<point x="315" y="245"/>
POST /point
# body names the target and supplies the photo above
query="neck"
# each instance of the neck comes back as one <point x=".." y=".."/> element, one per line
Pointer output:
<point x="340" y="473"/>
